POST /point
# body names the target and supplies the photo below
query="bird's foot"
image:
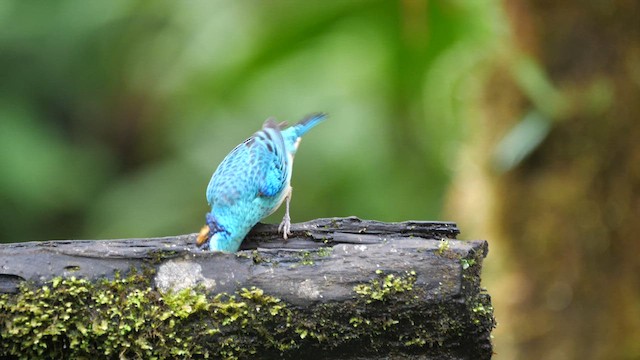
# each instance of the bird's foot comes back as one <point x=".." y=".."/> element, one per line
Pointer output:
<point x="285" y="226"/>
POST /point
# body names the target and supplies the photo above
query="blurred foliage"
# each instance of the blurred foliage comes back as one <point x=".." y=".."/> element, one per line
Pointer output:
<point x="114" y="114"/>
<point x="562" y="130"/>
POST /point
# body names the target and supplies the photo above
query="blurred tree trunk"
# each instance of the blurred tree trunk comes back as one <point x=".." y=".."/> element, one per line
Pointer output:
<point x="566" y="284"/>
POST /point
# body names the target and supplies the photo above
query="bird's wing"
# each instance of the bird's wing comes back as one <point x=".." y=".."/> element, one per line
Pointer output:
<point x="256" y="167"/>
<point x="273" y="159"/>
<point x="228" y="182"/>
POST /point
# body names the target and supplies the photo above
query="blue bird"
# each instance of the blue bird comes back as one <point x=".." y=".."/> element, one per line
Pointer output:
<point x="251" y="183"/>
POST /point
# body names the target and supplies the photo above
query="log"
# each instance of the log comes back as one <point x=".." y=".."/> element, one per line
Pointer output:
<point x="344" y="288"/>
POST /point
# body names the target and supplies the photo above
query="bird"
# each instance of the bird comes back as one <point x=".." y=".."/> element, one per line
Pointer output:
<point x="251" y="183"/>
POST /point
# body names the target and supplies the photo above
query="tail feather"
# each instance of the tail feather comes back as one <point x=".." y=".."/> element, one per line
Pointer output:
<point x="308" y="122"/>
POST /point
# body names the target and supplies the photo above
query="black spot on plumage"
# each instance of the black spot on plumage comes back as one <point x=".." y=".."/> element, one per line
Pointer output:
<point x="269" y="147"/>
<point x="250" y="141"/>
<point x="267" y="135"/>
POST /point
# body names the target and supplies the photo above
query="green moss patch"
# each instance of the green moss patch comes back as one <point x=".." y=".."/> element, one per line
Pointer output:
<point x="127" y="318"/>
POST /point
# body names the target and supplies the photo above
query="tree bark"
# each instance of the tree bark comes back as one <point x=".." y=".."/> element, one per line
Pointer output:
<point x="351" y="288"/>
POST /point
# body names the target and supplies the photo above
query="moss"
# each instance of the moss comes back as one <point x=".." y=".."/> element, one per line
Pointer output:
<point x="441" y="324"/>
<point x="324" y="251"/>
<point x="444" y="250"/>
<point x="481" y="311"/>
<point x="443" y="246"/>
<point x="256" y="257"/>
<point x="127" y="318"/>
<point x="466" y="263"/>
<point x="306" y="258"/>
<point x="158" y="256"/>
<point x="383" y="287"/>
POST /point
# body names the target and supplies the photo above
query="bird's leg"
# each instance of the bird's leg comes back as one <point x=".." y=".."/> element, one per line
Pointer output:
<point x="285" y="225"/>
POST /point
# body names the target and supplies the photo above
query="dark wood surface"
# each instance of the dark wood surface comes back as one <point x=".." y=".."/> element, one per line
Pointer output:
<point x="321" y="263"/>
<point x="40" y="261"/>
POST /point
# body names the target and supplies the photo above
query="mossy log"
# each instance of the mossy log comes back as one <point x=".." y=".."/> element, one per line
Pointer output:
<point x="340" y="288"/>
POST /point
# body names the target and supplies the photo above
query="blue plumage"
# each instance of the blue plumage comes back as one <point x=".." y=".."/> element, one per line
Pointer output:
<point x="251" y="183"/>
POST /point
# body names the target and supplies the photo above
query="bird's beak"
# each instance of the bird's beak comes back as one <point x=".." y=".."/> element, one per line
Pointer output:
<point x="203" y="236"/>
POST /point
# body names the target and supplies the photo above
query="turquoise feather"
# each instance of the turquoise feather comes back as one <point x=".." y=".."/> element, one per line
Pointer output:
<point x="252" y="182"/>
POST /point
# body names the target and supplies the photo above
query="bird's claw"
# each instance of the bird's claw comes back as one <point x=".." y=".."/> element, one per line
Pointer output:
<point x="285" y="227"/>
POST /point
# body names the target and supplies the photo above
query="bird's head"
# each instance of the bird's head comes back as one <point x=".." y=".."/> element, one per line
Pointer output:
<point x="215" y="241"/>
<point x="213" y="235"/>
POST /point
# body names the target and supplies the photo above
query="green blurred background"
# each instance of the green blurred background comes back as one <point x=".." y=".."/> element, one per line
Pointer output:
<point x="516" y="119"/>
<point x="115" y="114"/>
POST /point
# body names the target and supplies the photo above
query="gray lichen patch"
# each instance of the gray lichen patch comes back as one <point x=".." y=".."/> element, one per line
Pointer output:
<point x="309" y="290"/>
<point x="177" y="275"/>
